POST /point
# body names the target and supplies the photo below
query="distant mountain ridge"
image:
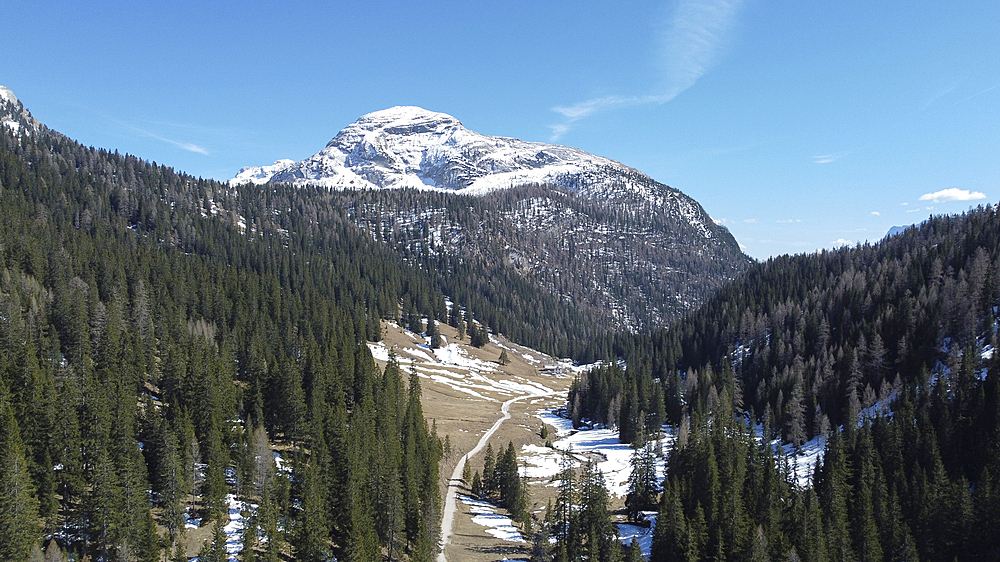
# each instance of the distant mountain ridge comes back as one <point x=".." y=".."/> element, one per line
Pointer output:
<point x="592" y="230"/>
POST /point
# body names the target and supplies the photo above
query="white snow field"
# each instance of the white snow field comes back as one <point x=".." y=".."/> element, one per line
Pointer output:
<point x="500" y="526"/>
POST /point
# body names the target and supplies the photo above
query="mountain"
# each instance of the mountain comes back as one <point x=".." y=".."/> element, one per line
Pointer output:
<point x="592" y="231"/>
<point x="14" y="116"/>
<point x="896" y="230"/>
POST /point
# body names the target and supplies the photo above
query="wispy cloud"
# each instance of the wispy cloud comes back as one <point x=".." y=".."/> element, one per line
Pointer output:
<point x="788" y="221"/>
<point x="876" y="214"/>
<point x="750" y="221"/>
<point x="691" y="40"/>
<point x="190" y="147"/>
<point x="939" y="94"/>
<point x="827" y="158"/>
<point x="978" y="94"/>
<point x="841" y="242"/>
<point x="952" y="194"/>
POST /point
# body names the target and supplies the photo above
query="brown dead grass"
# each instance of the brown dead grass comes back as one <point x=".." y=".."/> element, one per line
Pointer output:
<point x="464" y="419"/>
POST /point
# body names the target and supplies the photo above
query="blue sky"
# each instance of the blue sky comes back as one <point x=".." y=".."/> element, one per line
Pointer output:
<point x="799" y="125"/>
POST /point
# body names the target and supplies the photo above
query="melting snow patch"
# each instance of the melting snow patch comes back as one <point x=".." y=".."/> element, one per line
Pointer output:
<point x="191" y="522"/>
<point x="281" y="464"/>
<point x="379" y="352"/>
<point x="628" y="533"/>
<point x="616" y="457"/>
<point x="803" y="462"/>
<point x="500" y="526"/>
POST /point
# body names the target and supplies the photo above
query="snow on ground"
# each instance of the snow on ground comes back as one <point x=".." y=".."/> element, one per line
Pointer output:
<point x="453" y="354"/>
<point x="615" y="457"/>
<point x="500" y="526"/>
<point x="452" y="365"/>
<point x="803" y="462"/>
<point x="234" y="529"/>
<point x="281" y="464"/>
<point x="379" y="351"/>
<point x="628" y="533"/>
<point x="191" y="522"/>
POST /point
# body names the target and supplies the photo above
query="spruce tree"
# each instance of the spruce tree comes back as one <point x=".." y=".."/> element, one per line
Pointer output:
<point x="18" y="505"/>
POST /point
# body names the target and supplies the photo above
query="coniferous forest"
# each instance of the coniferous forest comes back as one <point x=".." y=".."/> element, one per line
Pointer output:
<point x="886" y="352"/>
<point x="151" y="349"/>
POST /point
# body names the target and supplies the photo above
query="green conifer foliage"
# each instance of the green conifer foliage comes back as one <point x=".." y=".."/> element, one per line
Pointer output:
<point x="18" y="505"/>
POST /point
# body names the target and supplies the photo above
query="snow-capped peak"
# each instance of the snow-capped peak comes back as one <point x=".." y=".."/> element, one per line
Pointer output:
<point x="405" y="120"/>
<point x="13" y="114"/>
<point x="8" y="96"/>
<point x="260" y="174"/>
<point x="411" y="147"/>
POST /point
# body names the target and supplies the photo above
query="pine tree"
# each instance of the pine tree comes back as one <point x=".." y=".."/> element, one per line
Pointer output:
<point x="311" y="539"/>
<point x="489" y="471"/>
<point x="642" y="483"/>
<point x="599" y="535"/>
<point x="540" y="547"/>
<point x="18" y="505"/>
<point x="477" y="485"/>
<point x="671" y="539"/>
<point x="466" y="470"/>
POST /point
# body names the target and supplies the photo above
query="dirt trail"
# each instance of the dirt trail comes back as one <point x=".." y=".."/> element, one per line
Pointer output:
<point x="448" y="517"/>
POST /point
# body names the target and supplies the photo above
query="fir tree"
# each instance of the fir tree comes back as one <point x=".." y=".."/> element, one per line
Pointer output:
<point x="18" y="505"/>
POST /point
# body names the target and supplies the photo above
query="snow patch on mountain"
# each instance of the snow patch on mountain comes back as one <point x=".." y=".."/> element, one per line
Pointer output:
<point x="410" y="147"/>
<point x="13" y="115"/>
<point x="260" y="174"/>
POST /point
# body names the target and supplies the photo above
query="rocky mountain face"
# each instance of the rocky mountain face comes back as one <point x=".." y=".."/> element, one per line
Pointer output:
<point x="590" y="230"/>
<point x="14" y="116"/>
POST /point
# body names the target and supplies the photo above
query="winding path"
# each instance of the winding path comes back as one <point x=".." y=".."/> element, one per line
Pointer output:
<point x="448" y="517"/>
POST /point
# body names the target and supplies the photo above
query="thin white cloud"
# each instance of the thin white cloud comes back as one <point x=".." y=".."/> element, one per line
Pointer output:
<point x="952" y="194"/>
<point x="978" y="94"/>
<point x="750" y="221"/>
<point x="876" y="214"/>
<point x="841" y="242"/>
<point x="913" y="210"/>
<point x="827" y="158"/>
<point x="939" y="94"/>
<point x="558" y="130"/>
<point x="190" y="147"/>
<point x="691" y="43"/>
<point x="788" y="221"/>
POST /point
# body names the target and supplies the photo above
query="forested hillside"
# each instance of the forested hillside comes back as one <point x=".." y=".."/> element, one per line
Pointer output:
<point x="811" y="340"/>
<point x="624" y="264"/>
<point x="153" y="347"/>
<point x="887" y="352"/>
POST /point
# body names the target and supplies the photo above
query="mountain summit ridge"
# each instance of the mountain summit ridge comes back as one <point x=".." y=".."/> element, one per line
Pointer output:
<point x="408" y="146"/>
<point x="411" y="147"/>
